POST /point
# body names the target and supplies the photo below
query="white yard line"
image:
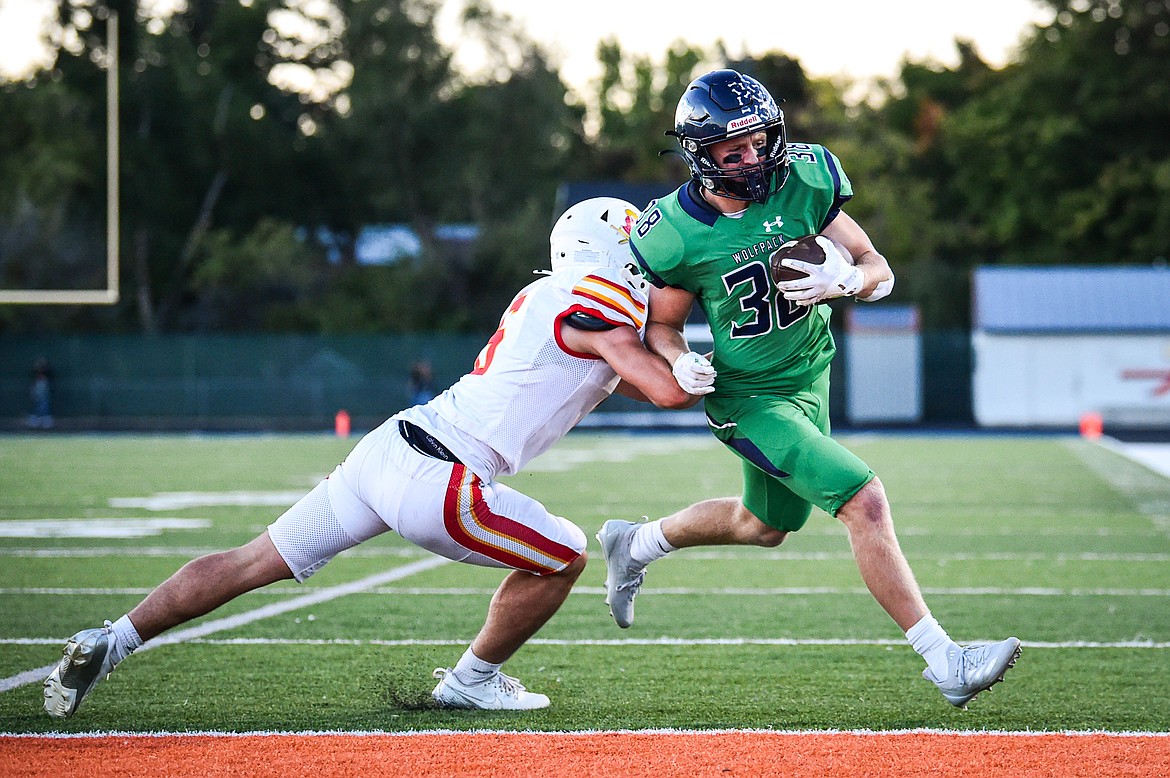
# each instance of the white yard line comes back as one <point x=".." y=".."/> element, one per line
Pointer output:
<point x="1006" y="556"/>
<point x="186" y="551"/>
<point x="650" y="591"/>
<point x="735" y="553"/>
<point x="230" y="622"/>
<point x="659" y="641"/>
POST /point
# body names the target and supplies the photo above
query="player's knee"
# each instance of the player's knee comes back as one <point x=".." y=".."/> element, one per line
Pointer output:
<point x="258" y="562"/>
<point x="868" y="508"/>
<point x="754" y="532"/>
<point x="770" y="538"/>
<point x="573" y="570"/>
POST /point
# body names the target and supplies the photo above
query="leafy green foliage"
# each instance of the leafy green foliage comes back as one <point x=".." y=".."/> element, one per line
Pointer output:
<point x="1060" y="156"/>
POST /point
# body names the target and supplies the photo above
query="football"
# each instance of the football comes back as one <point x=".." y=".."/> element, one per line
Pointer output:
<point x="805" y="249"/>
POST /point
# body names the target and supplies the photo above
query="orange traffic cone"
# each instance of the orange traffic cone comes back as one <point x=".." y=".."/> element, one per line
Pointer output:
<point x="1092" y="425"/>
<point x="341" y="424"/>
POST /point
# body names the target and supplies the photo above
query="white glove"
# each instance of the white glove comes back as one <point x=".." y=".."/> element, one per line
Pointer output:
<point x="836" y="277"/>
<point x="694" y="373"/>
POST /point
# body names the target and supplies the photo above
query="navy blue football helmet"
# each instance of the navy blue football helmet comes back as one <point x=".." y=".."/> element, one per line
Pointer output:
<point x="727" y="104"/>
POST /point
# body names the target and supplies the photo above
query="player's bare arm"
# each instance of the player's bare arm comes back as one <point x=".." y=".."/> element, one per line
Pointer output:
<point x="645" y="376"/>
<point x="669" y="308"/>
<point x="872" y="264"/>
<point x="664" y="336"/>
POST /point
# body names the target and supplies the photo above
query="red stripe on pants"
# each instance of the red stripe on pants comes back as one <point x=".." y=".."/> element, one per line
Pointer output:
<point x="498" y="525"/>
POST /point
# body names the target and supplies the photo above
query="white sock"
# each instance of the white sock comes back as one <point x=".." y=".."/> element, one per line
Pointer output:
<point x="931" y="642"/>
<point x="649" y="543"/>
<point x="472" y="670"/>
<point x="126" y="638"/>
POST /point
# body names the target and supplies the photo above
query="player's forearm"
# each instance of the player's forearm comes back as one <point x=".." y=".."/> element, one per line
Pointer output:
<point x="649" y="376"/>
<point x="666" y="341"/>
<point x="662" y="394"/>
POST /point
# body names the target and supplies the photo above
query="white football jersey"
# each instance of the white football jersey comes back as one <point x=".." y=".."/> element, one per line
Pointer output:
<point x="527" y="388"/>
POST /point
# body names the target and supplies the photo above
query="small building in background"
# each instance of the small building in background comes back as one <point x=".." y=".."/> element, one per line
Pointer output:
<point x="883" y="364"/>
<point x="1052" y="344"/>
<point x="388" y="244"/>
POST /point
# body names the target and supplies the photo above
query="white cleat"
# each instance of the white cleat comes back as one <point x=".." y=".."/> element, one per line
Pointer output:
<point x="87" y="659"/>
<point x="973" y="669"/>
<point x="623" y="576"/>
<point x="499" y="692"/>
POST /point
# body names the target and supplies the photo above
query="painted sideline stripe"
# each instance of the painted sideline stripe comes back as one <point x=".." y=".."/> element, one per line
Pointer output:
<point x="456" y="591"/>
<point x="1153" y="456"/>
<point x="187" y="551"/>
<point x="905" y="527"/>
<point x="584" y="732"/>
<point x="820" y="556"/>
<point x="746" y="554"/>
<point x="661" y="641"/>
<point x="665" y="641"/>
<point x="240" y="619"/>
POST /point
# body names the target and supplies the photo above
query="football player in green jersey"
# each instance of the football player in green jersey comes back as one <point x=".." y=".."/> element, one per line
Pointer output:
<point x="767" y="382"/>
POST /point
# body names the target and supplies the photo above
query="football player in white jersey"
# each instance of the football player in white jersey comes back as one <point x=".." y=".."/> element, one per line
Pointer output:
<point x="567" y="341"/>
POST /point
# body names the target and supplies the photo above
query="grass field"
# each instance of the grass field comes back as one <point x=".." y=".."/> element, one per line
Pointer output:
<point x="1052" y="539"/>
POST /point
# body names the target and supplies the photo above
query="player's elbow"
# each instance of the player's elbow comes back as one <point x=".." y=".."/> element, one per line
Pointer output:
<point x="674" y="399"/>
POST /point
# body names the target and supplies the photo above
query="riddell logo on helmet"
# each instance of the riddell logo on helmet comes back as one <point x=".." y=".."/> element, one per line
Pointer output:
<point x="743" y="121"/>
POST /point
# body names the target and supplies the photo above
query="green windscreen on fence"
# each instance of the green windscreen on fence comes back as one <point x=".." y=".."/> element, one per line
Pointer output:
<point x="249" y="380"/>
<point x="302" y="381"/>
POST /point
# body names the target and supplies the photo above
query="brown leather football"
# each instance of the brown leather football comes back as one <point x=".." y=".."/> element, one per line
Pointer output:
<point x="805" y="249"/>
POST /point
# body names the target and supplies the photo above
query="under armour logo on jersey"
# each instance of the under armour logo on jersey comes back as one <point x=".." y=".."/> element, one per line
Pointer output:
<point x="769" y="225"/>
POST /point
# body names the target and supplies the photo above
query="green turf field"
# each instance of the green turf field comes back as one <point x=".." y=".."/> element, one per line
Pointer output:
<point x="1053" y="539"/>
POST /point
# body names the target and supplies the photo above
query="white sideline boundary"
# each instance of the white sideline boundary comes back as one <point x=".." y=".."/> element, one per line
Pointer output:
<point x="240" y="619"/>
<point x="669" y="641"/>
<point x="586" y="733"/>
<point x="668" y="591"/>
<point x="659" y="641"/>
<point x="1153" y="456"/>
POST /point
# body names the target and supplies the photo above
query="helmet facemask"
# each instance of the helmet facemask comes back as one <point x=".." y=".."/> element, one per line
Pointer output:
<point x="722" y="105"/>
<point x="755" y="183"/>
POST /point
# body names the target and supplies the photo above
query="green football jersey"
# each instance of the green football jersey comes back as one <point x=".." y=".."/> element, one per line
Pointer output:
<point x="763" y="343"/>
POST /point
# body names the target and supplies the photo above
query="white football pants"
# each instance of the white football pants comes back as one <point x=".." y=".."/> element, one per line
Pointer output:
<point x="441" y="506"/>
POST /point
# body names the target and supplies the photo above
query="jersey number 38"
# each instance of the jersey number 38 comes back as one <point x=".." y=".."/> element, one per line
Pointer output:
<point x="765" y="306"/>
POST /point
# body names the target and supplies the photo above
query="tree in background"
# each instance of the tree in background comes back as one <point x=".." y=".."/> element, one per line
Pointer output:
<point x="426" y="146"/>
<point x="52" y="168"/>
<point x="635" y="101"/>
<point x="1065" y="157"/>
<point x="250" y="131"/>
<point x="204" y="135"/>
<point x="249" y="125"/>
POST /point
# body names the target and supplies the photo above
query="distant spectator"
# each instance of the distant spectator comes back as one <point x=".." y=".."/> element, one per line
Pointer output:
<point x="41" y="394"/>
<point x="422" y="383"/>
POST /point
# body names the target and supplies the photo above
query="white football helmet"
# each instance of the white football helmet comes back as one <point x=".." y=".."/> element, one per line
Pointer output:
<point x="594" y="232"/>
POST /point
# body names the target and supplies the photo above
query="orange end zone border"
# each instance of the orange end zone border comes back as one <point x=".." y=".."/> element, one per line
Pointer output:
<point x="634" y="754"/>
